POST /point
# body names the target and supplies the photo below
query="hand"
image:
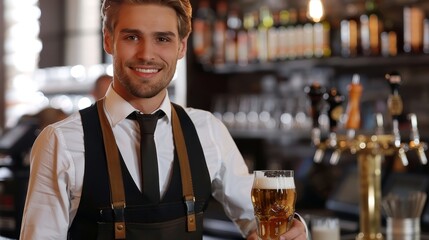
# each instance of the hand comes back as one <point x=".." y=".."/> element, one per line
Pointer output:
<point x="296" y="232"/>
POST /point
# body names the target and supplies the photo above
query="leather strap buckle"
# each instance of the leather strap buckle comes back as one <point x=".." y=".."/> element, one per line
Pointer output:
<point x="190" y="212"/>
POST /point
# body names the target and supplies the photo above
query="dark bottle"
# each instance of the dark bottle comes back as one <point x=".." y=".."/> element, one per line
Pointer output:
<point x="219" y="34"/>
<point x="203" y="32"/>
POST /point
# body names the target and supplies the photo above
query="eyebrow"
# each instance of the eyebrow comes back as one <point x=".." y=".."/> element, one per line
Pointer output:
<point x="135" y="31"/>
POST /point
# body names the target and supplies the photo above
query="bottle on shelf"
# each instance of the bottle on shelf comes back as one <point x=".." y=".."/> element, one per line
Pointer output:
<point x="349" y="33"/>
<point x="233" y="24"/>
<point x="426" y="36"/>
<point x="243" y="45"/>
<point x="322" y="38"/>
<point x="370" y="29"/>
<point x="413" y="29"/>
<point x="251" y="20"/>
<point x="293" y="35"/>
<point x="202" y="32"/>
<point x="273" y="38"/>
<point x="283" y="41"/>
<point x="389" y="42"/>
<point x="307" y="38"/>
<point x="219" y="33"/>
<point x="265" y="23"/>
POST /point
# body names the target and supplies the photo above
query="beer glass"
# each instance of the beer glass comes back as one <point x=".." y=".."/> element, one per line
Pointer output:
<point x="273" y="197"/>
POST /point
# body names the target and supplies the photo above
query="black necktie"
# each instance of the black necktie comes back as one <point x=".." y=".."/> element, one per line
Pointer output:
<point x="149" y="162"/>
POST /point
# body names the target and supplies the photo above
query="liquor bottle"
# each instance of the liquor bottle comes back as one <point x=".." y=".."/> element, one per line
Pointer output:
<point x="371" y="28"/>
<point x="294" y="35"/>
<point x="304" y="31"/>
<point x="389" y="42"/>
<point x="233" y="24"/>
<point x="242" y="44"/>
<point x="322" y="38"/>
<point x="308" y="34"/>
<point x="349" y="33"/>
<point x="265" y="23"/>
<point x="283" y="40"/>
<point x="426" y="36"/>
<point x="273" y="37"/>
<point x="219" y="34"/>
<point x="251" y="20"/>
<point x="413" y="29"/>
<point x="202" y="33"/>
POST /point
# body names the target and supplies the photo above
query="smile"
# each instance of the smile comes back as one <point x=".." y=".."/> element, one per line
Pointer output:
<point x="146" y="70"/>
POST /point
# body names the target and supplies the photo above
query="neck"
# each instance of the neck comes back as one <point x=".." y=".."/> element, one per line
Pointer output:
<point x="145" y="105"/>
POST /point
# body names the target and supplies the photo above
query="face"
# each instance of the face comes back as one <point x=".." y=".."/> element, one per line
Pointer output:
<point x="145" y="46"/>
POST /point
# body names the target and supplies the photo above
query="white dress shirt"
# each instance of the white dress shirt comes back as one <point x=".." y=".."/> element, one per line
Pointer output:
<point x="57" y="167"/>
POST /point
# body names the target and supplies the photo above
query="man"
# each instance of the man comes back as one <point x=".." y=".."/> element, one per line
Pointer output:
<point x="69" y="195"/>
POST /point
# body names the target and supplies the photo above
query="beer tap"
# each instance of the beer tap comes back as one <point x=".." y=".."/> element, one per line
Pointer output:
<point x="370" y="149"/>
<point x="353" y="109"/>
<point x="395" y="105"/>
<point x="379" y="123"/>
<point x="315" y="92"/>
<point x="415" y="140"/>
<point x="335" y="110"/>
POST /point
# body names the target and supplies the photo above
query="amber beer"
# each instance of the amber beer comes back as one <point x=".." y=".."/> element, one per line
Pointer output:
<point x="273" y="198"/>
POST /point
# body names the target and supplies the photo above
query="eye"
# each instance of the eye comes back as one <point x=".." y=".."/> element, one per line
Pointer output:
<point x="163" y="39"/>
<point x="132" y="38"/>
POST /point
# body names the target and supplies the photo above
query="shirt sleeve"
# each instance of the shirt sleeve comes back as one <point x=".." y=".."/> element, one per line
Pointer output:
<point x="46" y="211"/>
<point x="231" y="180"/>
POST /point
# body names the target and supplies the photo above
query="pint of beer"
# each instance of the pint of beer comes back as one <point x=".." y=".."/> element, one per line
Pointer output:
<point x="273" y="198"/>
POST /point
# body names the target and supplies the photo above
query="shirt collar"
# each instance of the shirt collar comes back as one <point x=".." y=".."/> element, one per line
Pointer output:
<point x="117" y="108"/>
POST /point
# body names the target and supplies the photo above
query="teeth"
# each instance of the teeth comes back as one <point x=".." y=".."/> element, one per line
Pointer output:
<point x="145" y="70"/>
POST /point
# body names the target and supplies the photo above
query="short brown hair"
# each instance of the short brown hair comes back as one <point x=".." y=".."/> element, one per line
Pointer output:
<point x="183" y="8"/>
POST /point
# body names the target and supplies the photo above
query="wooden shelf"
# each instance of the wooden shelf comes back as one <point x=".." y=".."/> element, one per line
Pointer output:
<point x="331" y="62"/>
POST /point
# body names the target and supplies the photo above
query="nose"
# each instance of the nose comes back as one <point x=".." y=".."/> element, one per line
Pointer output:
<point x="145" y="50"/>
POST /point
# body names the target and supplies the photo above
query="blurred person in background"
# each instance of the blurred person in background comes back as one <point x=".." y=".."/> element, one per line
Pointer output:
<point x="69" y="193"/>
<point x="101" y="84"/>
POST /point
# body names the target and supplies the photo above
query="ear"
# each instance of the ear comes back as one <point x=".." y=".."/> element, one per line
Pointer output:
<point x="183" y="45"/>
<point x="107" y="41"/>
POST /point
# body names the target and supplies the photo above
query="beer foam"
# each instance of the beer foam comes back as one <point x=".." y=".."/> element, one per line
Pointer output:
<point x="274" y="183"/>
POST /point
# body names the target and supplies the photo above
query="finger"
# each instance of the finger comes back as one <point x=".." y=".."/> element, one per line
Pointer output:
<point x="296" y="232"/>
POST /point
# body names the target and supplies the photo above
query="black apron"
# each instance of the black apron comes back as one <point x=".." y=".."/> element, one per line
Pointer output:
<point x="166" y="220"/>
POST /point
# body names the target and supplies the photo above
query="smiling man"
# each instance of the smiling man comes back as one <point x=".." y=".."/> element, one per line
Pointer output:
<point x="88" y="180"/>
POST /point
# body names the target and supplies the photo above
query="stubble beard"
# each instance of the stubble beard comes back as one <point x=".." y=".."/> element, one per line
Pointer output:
<point x="140" y="88"/>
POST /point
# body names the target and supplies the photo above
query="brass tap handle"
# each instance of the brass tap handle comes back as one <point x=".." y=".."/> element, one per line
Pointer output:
<point x="415" y="139"/>
<point x="315" y="92"/>
<point x="394" y="101"/>
<point x="353" y="108"/>
<point x="335" y="108"/>
<point x="380" y="125"/>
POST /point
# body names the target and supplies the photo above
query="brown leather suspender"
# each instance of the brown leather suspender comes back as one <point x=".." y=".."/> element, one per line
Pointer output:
<point x="185" y="171"/>
<point x="115" y="174"/>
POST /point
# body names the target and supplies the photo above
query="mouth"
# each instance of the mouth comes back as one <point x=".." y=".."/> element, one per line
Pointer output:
<point x="146" y="70"/>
